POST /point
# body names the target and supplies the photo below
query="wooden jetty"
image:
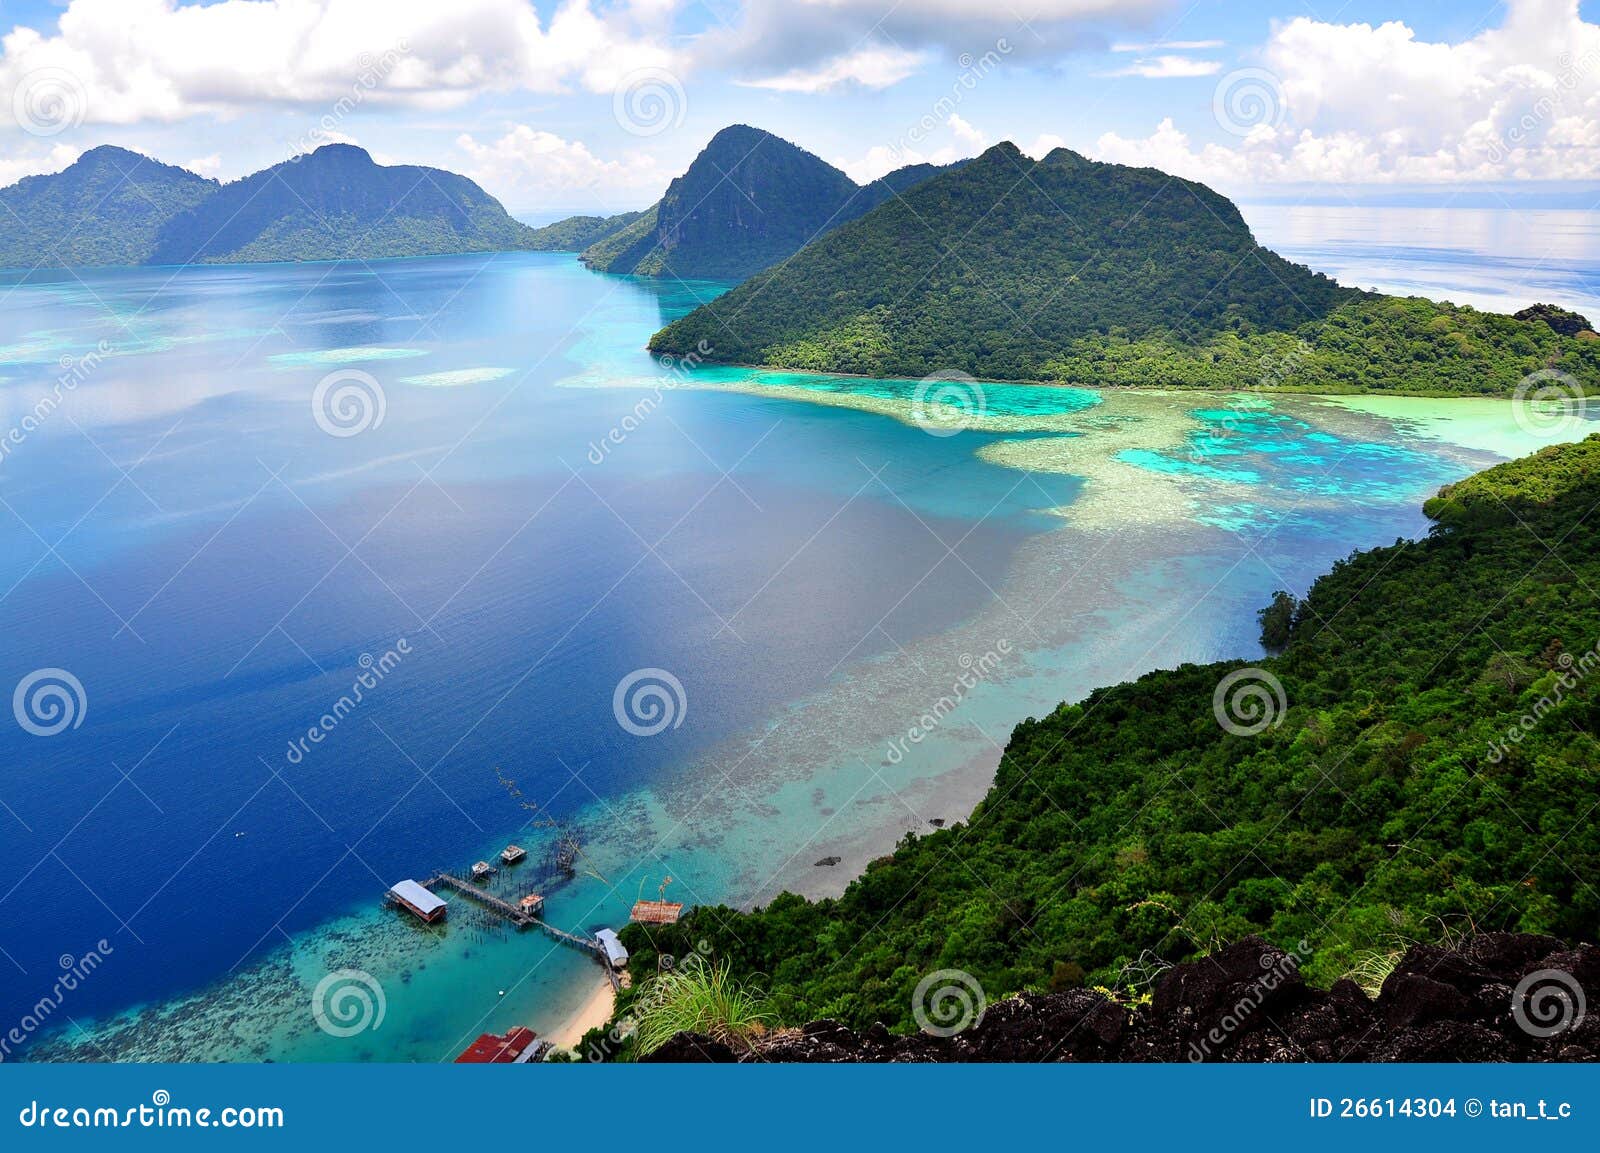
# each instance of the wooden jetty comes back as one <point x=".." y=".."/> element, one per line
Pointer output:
<point x="522" y="915"/>
<point x="482" y="896"/>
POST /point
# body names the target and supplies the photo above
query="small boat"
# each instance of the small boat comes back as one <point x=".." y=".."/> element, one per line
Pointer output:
<point x="482" y="870"/>
<point x="511" y="854"/>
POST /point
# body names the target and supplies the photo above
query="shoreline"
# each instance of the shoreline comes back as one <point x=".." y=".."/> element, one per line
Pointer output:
<point x="595" y="1012"/>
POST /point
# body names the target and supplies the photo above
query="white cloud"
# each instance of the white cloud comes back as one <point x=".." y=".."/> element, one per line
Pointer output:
<point x="205" y="165"/>
<point x="966" y="141"/>
<point x="36" y="162"/>
<point x="783" y="37"/>
<point x="130" y="61"/>
<point x="1047" y="143"/>
<point x="1166" y="67"/>
<point x="1167" y="46"/>
<point x="873" y="66"/>
<point x="966" y="133"/>
<point x="1356" y="103"/>
<point x="527" y="167"/>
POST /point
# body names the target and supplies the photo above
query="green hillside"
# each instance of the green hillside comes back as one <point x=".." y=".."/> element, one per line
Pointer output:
<point x="1085" y="273"/>
<point x="576" y="233"/>
<point x="336" y="203"/>
<point x="749" y="201"/>
<point x="106" y="208"/>
<point x="1432" y="773"/>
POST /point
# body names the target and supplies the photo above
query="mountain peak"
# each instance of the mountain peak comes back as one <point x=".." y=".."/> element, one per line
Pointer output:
<point x="345" y="153"/>
<point x="1084" y="251"/>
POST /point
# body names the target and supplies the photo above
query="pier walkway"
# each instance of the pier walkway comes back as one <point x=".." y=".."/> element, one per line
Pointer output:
<point x="511" y="913"/>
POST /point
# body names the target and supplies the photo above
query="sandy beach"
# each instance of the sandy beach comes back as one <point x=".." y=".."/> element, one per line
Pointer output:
<point x="595" y="1010"/>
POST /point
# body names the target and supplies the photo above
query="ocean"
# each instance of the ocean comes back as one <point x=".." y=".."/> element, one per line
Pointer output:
<point x="318" y="577"/>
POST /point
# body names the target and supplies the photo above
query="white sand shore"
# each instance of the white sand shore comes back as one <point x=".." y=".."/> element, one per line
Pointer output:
<point x="596" y="1010"/>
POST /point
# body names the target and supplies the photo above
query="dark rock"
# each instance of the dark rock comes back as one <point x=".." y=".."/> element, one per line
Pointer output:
<point x="826" y="861"/>
<point x="1563" y="320"/>
<point x="1214" y="1001"/>
<point x="1246" y="1002"/>
<point x="1412" y="999"/>
<point x="1510" y="955"/>
<point x="692" y="1049"/>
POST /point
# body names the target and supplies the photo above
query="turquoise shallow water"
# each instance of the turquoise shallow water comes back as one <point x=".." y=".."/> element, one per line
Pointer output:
<point x="539" y="511"/>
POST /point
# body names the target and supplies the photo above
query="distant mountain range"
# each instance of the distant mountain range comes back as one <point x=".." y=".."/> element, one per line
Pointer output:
<point x="113" y="206"/>
<point x="749" y="200"/>
<point x="576" y="233"/>
<point x="1072" y="271"/>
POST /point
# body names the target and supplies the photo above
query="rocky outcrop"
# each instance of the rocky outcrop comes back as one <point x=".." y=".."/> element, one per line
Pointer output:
<point x="1500" y="997"/>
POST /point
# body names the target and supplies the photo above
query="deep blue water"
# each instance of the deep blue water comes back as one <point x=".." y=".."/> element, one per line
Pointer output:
<point x="185" y="538"/>
<point x="211" y="565"/>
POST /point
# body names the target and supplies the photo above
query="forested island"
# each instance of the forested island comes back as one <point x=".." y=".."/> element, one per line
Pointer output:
<point x="1070" y="271"/>
<point x="112" y="206"/>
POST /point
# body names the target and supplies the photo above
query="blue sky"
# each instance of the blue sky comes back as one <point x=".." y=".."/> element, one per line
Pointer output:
<point x="594" y="104"/>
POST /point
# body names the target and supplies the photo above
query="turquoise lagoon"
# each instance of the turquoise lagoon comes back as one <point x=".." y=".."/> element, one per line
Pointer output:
<point x="537" y="510"/>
